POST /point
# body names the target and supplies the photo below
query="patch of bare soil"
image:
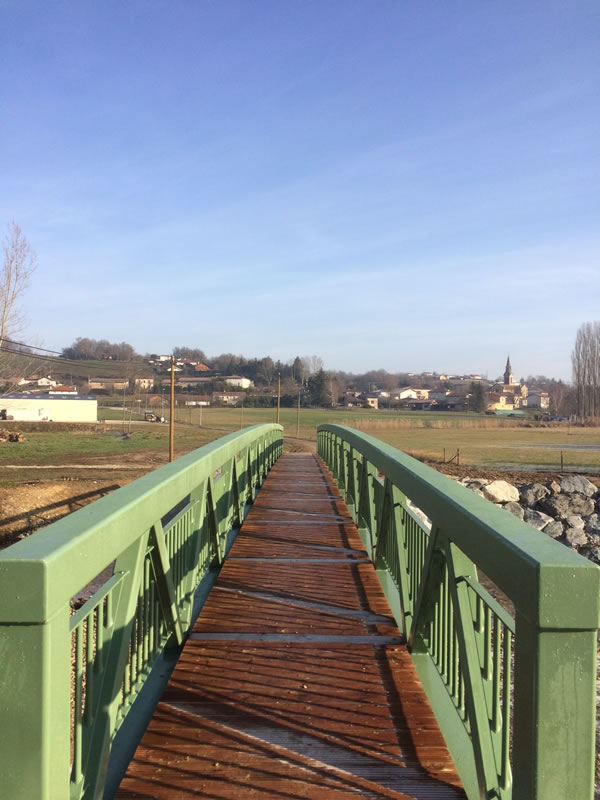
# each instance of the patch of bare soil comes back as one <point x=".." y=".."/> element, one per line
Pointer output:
<point x="26" y="508"/>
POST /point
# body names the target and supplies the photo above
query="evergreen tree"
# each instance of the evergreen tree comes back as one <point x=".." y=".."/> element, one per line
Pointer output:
<point x="477" y="400"/>
<point x="317" y="388"/>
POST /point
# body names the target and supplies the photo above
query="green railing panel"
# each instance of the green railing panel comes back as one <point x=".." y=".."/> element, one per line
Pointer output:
<point x="514" y="697"/>
<point x="68" y="677"/>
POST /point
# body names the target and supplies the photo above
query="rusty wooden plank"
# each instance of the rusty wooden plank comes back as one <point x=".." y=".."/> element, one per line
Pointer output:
<point x="309" y="713"/>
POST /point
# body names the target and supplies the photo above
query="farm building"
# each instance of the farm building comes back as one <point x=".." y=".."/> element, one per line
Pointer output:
<point x="49" y="408"/>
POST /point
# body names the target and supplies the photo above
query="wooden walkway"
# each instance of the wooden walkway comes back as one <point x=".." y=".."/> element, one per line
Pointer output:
<point x="295" y="682"/>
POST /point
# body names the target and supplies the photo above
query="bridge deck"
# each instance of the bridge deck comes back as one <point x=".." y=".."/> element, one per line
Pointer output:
<point x="295" y="682"/>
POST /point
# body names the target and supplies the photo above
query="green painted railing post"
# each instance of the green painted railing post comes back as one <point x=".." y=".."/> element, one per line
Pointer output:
<point x="366" y="507"/>
<point x="131" y="565"/>
<point x="352" y="492"/>
<point x="555" y="702"/>
<point x="459" y="568"/>
<point x="35" y="704"/>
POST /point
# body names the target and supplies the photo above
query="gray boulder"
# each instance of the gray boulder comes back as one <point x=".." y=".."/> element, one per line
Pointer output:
<point x="531" y="493"/>
<point x="577" y="484"/>
<point x="472" y="483"/>
<point x="575" y="536"/>
<point x="536" y="519"/>
<point x="563" y="505"/>
<point x="592" y="522"/>
<point x="554" y="529"/>
<point x="573" y="521"/>
<point x="501" y="492"/>
<point x="593" y="553"/>
<point x="514" y="508"/>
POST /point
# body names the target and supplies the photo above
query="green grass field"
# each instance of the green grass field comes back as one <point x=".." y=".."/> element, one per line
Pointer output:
<point x="368" y="420"/>
<point x="484" y="441"/>
<point x="73" y="447"/>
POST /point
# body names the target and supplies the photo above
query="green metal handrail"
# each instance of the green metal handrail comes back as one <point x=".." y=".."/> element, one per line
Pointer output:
<point x="514" y="698"/>
<point x="68" y="678"/>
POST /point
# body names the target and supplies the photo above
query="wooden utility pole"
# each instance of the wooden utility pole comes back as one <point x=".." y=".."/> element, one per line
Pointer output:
<point x="130" y="416"/>
<point x="172" y="412"/>
<point x="278" y="395"/>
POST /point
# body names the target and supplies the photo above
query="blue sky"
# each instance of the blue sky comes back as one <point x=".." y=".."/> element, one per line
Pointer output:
<point x="386" y="184"/>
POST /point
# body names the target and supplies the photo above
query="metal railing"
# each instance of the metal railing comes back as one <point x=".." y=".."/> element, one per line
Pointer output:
<point x="514" y="697"/>
<point x="69" y="676"/>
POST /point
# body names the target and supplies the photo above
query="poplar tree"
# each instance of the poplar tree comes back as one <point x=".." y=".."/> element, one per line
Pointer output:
<point x="585" y="360"/>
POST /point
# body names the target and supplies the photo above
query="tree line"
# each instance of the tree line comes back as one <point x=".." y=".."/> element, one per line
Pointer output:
<point x="322" y="387"/>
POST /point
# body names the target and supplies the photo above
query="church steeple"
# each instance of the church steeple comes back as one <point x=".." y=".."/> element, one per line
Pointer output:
<point x="508" y="376"/>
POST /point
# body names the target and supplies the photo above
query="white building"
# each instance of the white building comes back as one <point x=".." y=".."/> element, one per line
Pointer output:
<point x="144" y="383"/>
<point x="538" y="400"/>
<point x="239" y="382"/>
<point x="405" y="393"/>
<point x="228" y="398"/>
<point x="49" y="408"/>
<point x="42" y="383"/>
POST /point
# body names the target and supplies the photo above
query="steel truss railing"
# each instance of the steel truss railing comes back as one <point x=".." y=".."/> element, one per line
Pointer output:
<point x="68" y="678"/>
<point x="514" y="697"/>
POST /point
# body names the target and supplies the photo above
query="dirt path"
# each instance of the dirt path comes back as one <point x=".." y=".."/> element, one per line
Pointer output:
<point x="293" y="445"/>
<point x="24" y="509"/>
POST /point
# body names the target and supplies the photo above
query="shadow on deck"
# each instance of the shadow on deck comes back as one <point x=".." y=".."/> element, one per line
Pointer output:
<point x="295" y="682"/>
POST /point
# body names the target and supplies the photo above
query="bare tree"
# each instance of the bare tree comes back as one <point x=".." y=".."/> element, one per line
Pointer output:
<point x="267" y="370"/>
<point x="562" y="398"/>
<point x="333" y="390"/>
<point x="312" y="364"/>
<point x="585" y="359"/>
<point x="18" y="265"/>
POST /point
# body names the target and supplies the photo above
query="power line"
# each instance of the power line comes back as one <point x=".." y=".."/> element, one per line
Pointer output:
<point x="109" y="363"/>
<point x="82" y="366"/>
<point x="30" y="346"/>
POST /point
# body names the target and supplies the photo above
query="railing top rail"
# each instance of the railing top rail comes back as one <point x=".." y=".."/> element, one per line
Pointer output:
<point x="549" y="584"/>
<point x="39" y="574"/>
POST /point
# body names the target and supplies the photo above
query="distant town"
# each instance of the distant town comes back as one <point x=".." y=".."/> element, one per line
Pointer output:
<point x="68" y="387"/>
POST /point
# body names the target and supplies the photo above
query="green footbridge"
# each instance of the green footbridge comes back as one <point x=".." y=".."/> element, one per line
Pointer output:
<point x="500" y="621"/>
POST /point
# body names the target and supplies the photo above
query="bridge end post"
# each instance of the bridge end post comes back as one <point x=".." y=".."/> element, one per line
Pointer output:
<point x="555" y="694"/>
<point x="35" y="709"/>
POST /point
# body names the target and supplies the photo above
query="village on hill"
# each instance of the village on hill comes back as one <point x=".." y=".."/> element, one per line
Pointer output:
<point x="71" y="392"/>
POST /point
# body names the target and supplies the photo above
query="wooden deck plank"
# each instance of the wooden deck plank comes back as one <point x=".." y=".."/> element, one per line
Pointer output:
<point x="295" y="682"/>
